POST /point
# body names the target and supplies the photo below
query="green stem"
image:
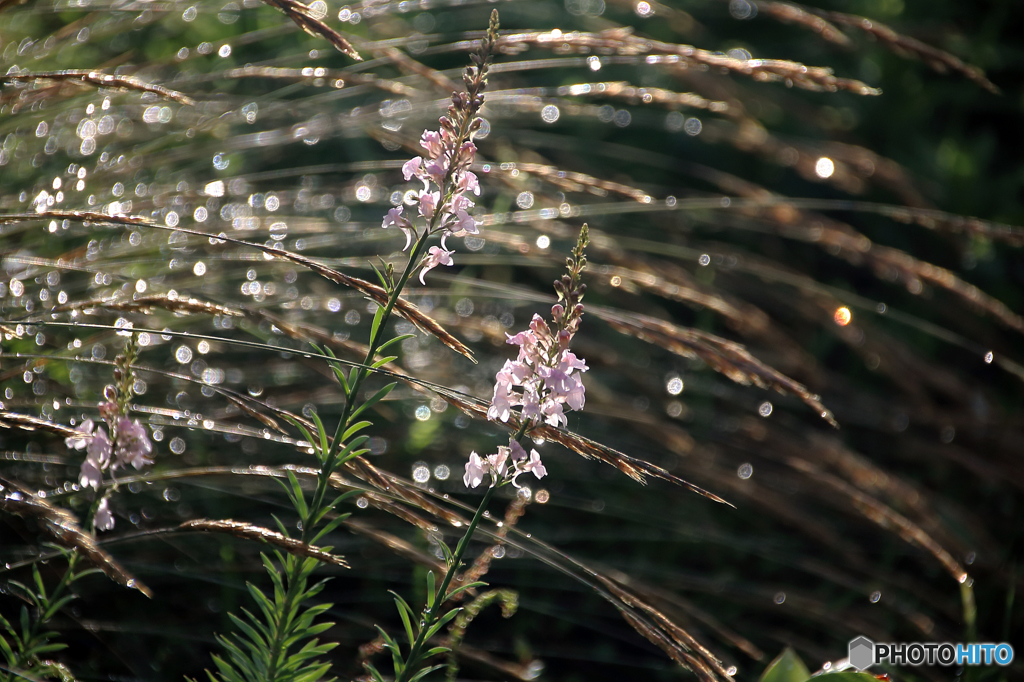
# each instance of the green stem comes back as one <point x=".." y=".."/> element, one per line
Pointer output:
<point x="294" y="578"/>
<point x="431" y="614"/>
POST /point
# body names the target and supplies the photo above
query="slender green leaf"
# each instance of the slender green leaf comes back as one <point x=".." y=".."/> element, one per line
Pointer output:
<point x="354" y="429"/>
<point x="377" y="317"/>
<point x="402" y="337"/>
<point x="383" y="361"/>
<point x="431" y="590"/>
<point x="787" y="667"/>
<point x="463" y="588"/>
<point x="373" y="400"/>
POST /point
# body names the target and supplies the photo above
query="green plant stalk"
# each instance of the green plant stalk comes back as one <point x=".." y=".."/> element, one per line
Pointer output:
<point x="296" y="575"/>
<point x="430" y="615"/>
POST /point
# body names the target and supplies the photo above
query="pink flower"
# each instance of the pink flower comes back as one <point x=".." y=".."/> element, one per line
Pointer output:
<point x="394" y="217"/>
<point x="133" y="446"/>
<point x="435" y="256"/>
<point x="412" y="167"/>
<point x="83" y="438"/>
<point x="498" y="463"/>
<point x="460" y="202"/>
<point x="436" y="170"/>
<point x="576" y="397"/>
<point x="552" y="411"/>
<point x="465" y="224"/>
<point x="432" y="143"/>
<point x="99" y="448"/>
<point x="90" y="474"/>
<point x="534" y="466"/>
<point x="428" y="203"/>
<point x="467" y="152"/>
<point x="475" y="470"/>
<point x="468" y="182"/>
<point x="531" y="404"/>
<point x="104" y="519"/>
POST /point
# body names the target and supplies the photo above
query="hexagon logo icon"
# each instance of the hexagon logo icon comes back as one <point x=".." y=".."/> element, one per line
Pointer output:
<point x="862" y="653"/>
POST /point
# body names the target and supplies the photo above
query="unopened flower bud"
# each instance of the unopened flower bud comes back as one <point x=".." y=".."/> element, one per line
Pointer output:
<point x="110" y="393"/>
<point x="557" y="311"/>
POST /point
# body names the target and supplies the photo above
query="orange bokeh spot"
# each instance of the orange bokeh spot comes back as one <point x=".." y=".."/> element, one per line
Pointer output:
<point x="843" y="316"/>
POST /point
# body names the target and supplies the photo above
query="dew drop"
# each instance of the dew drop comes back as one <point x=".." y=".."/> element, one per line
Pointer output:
<point x="183" y="354"/>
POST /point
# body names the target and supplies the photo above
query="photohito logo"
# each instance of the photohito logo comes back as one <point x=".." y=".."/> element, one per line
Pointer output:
<point x="864" y="653"/>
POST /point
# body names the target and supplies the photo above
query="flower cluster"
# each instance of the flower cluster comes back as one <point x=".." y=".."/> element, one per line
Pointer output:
<point x="127" y="442"/>
<point x="445" y="167"/>
<point x="543" y="380"/>
<point x="547" y="372"/>
<point x="130" y="444"/>
<point x="497" y="466"/>
<point x="444" y="202"/>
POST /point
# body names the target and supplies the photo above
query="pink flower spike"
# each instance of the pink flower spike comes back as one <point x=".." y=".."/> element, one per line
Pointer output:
<point x="435" y="256"/>
<point x="475" y="470"/>
<point x="412" y="167"/>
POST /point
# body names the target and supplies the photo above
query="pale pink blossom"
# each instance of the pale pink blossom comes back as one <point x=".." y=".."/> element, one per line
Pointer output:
<point x="468" y="182"/>
<point x="432" y="143"/>
<point x="496" y="465"/>
<point x="83" y="436"/>
<point x="412" y="167"/>
<point x="464" y="223"/>
<point x="90" y="474"/>
<point x="99" y="448"/>
<point x="552" y="411"/>
<point x="428" y="203"/>
<point x="104" y="519"/>
<point x="498" y="462"/>
<point x="475" y="470"/>
<point x="461" y="202"/>
<point x="435" y="256"/>
<point x="395" y="217"/>
<point x="533" y="465"/>
<point x="133" y="446"/>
